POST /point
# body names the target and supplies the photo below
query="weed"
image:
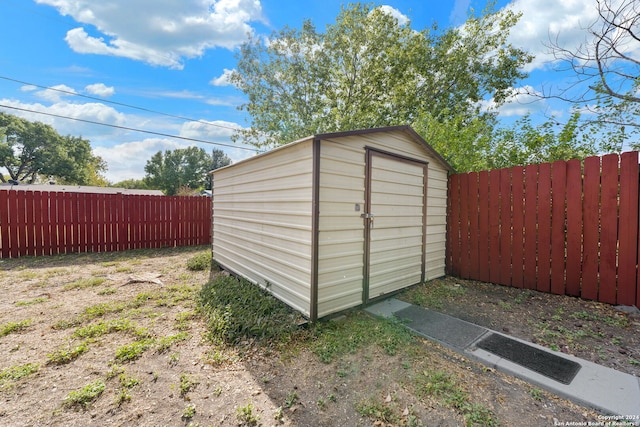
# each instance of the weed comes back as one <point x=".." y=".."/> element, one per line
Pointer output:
<point x="85" y="283"/>
<point x="174" y="358"/>
<point x="217" y="358"/>
<point x="165" y="343"/>
<point x="126" y="384"/>
<point x="536" y="394"/>
<point x="321" y="403"/>
<point x="115" y="371"/>
<point x="505" y="305"/>
<point x="279" y="414"/>
<point x="334" y="339"/>
<point x="107" y="291"/>
<point x="200" y="262"/>
<point x="291" y="399"/>
<point x="634" y="362"/>
<point x="31" y="302"/>
<point x="217" y="391"/>
<point x="13" y="373"/>
<point x="442" y="386"/>
<point x="95" y="330"/>
<point x="616" y="341"/>
<point x="183" y="320"/>
<point x="63" y="356"/>
<point x="11" y="327"/>
<point x="86" y="395"/>
<point x="378" y="411"/>
<point x="27" y="275"/>
<point x="134" y="350"/>
<point x="124" y="269"/>
<point x="187" y="384"/>
<point x="189" y="412"/>
<point x="245" y="414"/>
<point x="432" y="294"/>
<point x="236" y="309"/>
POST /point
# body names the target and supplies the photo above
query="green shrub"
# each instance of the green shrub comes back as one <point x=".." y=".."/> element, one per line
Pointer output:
<point x="200" y="262"/>
<point x="236" y="309"/>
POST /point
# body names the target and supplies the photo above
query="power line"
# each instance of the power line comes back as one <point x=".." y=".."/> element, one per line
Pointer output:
<point x="68" y="92"/>
<point x="129" y="128"/>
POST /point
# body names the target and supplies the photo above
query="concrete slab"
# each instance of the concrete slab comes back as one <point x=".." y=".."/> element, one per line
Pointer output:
<point x="604" y="389"/>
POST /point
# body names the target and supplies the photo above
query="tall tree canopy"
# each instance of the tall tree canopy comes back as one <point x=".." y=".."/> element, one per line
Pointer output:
<point x="605" y="68"/>
<point x="186" y="167"/>
<point x="31" y="151"/>
<point x="368" y="69"/>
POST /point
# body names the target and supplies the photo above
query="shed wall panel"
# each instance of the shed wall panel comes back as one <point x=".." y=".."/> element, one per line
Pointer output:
<point x="341" y="230"/>
<point x="262" y="222"/>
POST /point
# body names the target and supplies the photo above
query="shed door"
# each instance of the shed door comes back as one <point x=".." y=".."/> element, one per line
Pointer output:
<point x="395" y="223"/>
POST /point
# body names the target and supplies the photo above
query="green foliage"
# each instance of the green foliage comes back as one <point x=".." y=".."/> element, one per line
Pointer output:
<point x="86" y="395"/>
<point x="62" y="356"/>
<point x="133" y="351"/>
<point x="31" y="302"/>
<point x="29" y="150"/>
<point x="524" y="143"/>
<point x="165" y="343"/>
<point x="443" y="386"/>
<point x="337" y="338"/>
<point x="369" y="70"/>
<point x="187" y="384"/>
<point x="245" y="414"/>
<point x="88" y="282"/>
<point x="200" y="262"/>
<point x="189" y="412"/>
<point x="14" y="373"/>
<point x="236" y="309"/>
<point x="10" y="327"/>
<point x="186" y="167"/>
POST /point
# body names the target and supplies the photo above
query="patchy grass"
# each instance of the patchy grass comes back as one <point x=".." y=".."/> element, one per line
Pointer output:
<point x="435" y="293"/>
<point x="442" y="386"/>
<point x="14" y="373"/>
<point x="34" y="301"/>
<point x="88" y="282"/>
<point x="236" y="309"/>
<point x="165" y="343"/>
<point x="12" y="327"/>
<point x="96" y="330"/>
<point x="133" y="351"/>
<point x="337" y="338"/>
<point x="62" y="356"/>
<point x="86" y="395"/>
<point x="200" y="262"/>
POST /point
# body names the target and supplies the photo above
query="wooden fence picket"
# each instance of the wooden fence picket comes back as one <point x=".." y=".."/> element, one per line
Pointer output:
<point x="567" y="227"/>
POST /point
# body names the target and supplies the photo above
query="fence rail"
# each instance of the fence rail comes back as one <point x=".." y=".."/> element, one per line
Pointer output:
<point x="564" y="227"/>
<point x="49" y="223"/>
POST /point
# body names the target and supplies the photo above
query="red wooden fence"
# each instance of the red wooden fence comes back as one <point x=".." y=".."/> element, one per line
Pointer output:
<point x="48" y="223"/>
<point x="564" y="227"/>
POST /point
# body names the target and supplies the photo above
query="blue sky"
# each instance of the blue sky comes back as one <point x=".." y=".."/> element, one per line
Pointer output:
<point x="170" y="57"/>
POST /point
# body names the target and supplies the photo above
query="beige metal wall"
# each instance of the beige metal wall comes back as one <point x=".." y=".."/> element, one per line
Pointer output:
<point x="341" y="237"/>
<point x="262" y="221"/>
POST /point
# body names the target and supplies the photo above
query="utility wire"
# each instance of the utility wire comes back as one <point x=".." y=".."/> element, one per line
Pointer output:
<point x="129" y="128"/>
<point x="68" y="92"/>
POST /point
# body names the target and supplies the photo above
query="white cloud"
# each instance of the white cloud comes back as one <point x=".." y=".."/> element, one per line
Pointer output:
<point x="162" y="33"/>
<point x="218" y="130"/>
<point x="523" y="100"/>
<point x="459" y="12"/>
<point x="400" y="17"/>
<point x="544" y="20"/>
<point x="127" y="160"/>
<point x="100" y="89"/>
<point x="222" y="80"/>
<point x="28" y="88"/>
<point x="56" y="93"/>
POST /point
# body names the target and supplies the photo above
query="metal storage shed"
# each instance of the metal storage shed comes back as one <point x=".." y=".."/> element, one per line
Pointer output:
<point x="334" y="221"/>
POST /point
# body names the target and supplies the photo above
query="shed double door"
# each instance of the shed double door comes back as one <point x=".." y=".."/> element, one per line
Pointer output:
<point x="395" y="223"/>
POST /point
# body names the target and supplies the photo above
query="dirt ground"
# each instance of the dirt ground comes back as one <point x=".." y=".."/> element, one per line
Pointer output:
<point x="128" y="321"/>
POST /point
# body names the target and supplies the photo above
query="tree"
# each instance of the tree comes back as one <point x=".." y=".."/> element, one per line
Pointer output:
<point x="186" y="167"/>
<point x="30" y="151"/>
<point x="368" y="69"/>
<point x="606" y="67"/>
<point x="524" y="143"/>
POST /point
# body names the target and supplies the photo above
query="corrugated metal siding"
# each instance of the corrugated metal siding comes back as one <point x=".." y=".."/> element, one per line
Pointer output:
<point x="262" y="222"/>
<point x="341" y="238"/>
<point x="397" y="197"/>
<point x="341" y="235"/>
